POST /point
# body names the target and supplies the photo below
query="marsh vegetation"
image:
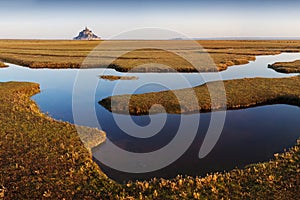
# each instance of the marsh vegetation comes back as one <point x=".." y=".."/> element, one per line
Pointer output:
<point x="42" y="157"/>
<point x="240" y="93"/>
<point x="72" y="54"/>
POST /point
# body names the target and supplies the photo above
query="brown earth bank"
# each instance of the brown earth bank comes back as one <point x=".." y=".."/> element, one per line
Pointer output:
<point x="73" y="54"/>
<point x="286" y="67"/>
<point x="232" y="94"/>
<point x="42" y="158"/>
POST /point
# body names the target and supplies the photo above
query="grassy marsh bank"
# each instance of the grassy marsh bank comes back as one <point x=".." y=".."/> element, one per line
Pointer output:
<point x="286" y="67"/>
<point x="276" y="179"/>
<point x="44" y="158"/>
<point x="71" y="54"/>
<point x="241" y="93"/>
<point x="41" y="157"/>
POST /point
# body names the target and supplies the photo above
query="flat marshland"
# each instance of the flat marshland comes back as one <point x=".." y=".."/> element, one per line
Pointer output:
<point x="72" y="54"/>
<point x="44" y="158"/>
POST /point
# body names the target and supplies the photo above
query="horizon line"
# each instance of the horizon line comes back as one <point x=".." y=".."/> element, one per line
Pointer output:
<point x="145" y="39"/>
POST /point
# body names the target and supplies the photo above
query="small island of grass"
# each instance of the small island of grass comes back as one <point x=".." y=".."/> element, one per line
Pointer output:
<point x="286" y="67"/>
<point x="240" y="93"/>
<point x="115" y="78"/>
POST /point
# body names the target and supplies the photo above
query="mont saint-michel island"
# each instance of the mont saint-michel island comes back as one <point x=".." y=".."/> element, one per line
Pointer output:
<point x="86" y="34"/>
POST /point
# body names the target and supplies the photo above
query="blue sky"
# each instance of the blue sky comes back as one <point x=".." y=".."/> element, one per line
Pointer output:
<point x="63" y="19"/>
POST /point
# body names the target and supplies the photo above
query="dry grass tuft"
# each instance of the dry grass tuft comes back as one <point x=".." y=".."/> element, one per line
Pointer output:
<point x="2" y="65"/>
